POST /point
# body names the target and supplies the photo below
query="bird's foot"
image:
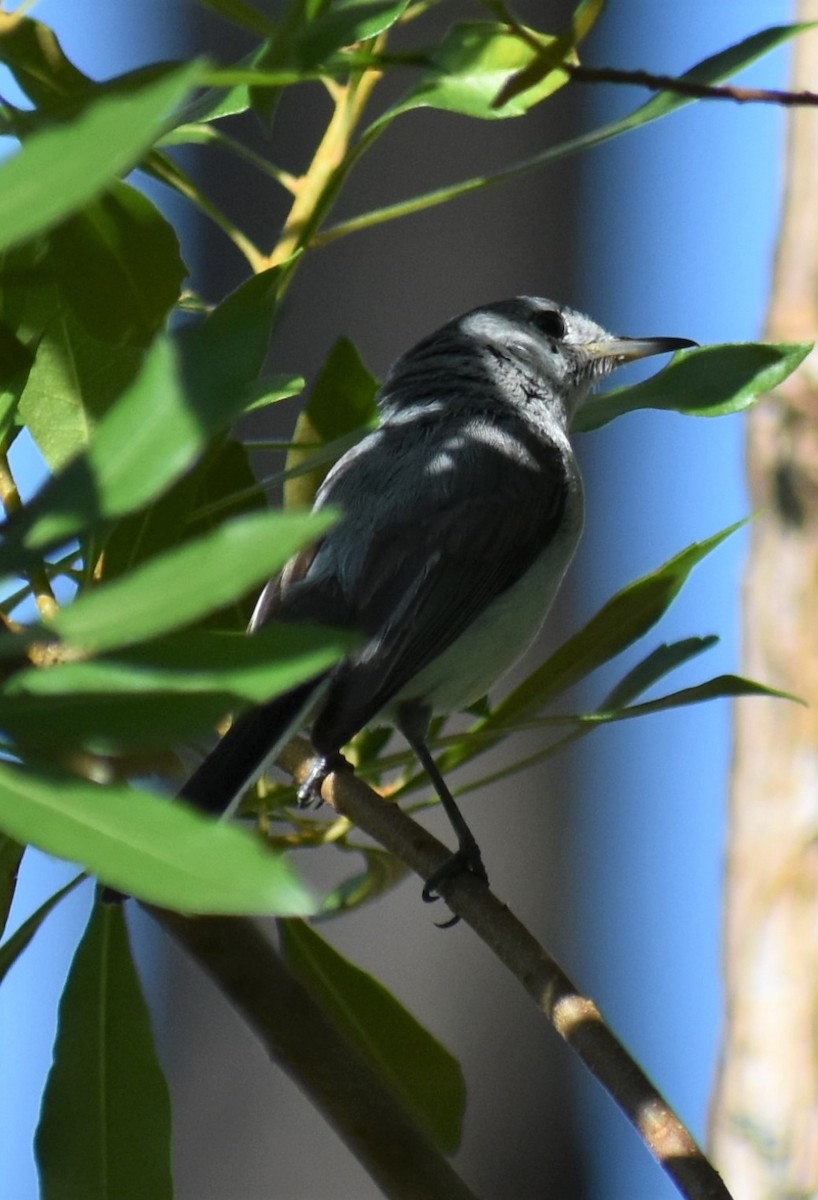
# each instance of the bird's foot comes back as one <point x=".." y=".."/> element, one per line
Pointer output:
<point x="467" y="858"/>
<point x="310" y="791"/>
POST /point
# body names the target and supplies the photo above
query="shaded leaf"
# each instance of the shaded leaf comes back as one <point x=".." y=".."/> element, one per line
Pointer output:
<point x="420" y="1070"/>
<point x="712" y="381"/>
<point x="383" y="872"/>
<point x="187" y="390"/>
<point x="341" y="402"/>
<point x="240" y="13"/>
<point x="11" y="854"/>
<point x="162" y="851"/>
<point x="105" y="1125"/>
<point x="61" y="169"/>
<point x="119" y="266"/>
<point x="722" y="687"/>
<point x="658" y="663"/>
<point x="14" y="946"/>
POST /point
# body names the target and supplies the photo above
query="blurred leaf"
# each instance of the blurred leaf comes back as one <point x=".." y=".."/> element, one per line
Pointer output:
<point x="420" y="1070"/>
<point x="708" y="382"/>
<point x="40" y="67"/>
<point x="272" y="388"/>
<point x="471" y="66"/>
<point x="105" y="1125"/>
<point x="61" y="169"/>
<point x="119" y="266"/>
<point x="383" y="872"/>
<point x="342" y="400"/>
<point x="14" y="946"/>
<point x="162" y="851"/>
<point x="239" y="12"/>
<point x="658" y="663"/>
<point x="249" y="669"/>
<point x="343" y="24"/>
<point x="153" y="434"/>
<point x="182" y="585"/>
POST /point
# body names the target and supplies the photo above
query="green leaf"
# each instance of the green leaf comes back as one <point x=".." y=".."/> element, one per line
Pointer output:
<point x="723" y="687"/>
<point x="552" y="53"/>
<point x="119" y="266"/>
<point x="41" y="69"/>
<point x="58" y="171"/>
<point x="711" y="70"/>
<point x="240" y="13"/>
<point x="655" y="666"/>
<point x="185" y="584"/>
<point x="622" y="621"/>
<point x="712" y="381"/>
<point x="342" y="401"/>
<point x="105" y="1125"/>
<point x="159" y="850"/>
<point x="248" y="669"/>
<point x="343" y="24"/>
<point x="273" y="388"/>
<point x="187" y="390"/>
<point x="420" y="1070"/>
<point x="14" y="946"/>
<point x="383" y="872"/>
<point x="471" y="66"/>
<point x="11" y="854"/>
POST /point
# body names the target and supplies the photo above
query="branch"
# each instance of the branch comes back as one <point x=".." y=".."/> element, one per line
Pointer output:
<point x="686" y="87"/>
<point x="304" y="1042"/>
<point x="575" y="1017"/>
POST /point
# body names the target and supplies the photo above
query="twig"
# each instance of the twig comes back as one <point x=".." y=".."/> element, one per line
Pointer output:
<point x="574" y="1016"/>
<point x="305" y="1043"/>
<point x="687" y="87"/>
<point x="12" y="503"/>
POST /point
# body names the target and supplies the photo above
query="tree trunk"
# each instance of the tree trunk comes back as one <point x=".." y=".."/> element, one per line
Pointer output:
<point x="765" y="1117"/>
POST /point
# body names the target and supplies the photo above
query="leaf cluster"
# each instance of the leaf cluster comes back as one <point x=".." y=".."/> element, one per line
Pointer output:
<point x="131" y="569"/>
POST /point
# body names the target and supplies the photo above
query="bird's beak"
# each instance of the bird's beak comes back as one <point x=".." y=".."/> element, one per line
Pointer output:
<point x="622" y="350"/>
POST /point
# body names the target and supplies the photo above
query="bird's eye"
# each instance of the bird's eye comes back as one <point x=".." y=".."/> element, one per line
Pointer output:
<point x="550" y="322"/>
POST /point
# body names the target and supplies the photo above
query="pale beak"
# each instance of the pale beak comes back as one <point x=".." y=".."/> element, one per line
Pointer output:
<point x="622" y="350"/>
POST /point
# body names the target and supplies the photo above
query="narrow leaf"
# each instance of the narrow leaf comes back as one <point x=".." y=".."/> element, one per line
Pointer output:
<point x="14" y="946"/>
<point x="343" y="24"/>
<point x="11" y="855"/>
<point x="105" y="1125"/>
<point x="709" y="382"/>
<point x="420" y="1070"/>
<point x="145" y="845"/>
<point x="650" y="670"/>
<point x="183" y="585"/>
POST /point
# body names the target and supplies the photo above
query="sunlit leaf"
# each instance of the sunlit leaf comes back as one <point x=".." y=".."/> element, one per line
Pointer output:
<point x="712" y="381"/>
<point x="160" y="850"/>
<point x="655" y="666"/>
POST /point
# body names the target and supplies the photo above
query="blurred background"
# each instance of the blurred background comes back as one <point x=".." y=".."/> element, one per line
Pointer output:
<point x="613" y="855"/>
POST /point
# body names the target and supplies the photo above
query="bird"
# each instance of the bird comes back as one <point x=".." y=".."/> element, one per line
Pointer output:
<point x="460" y="514"/>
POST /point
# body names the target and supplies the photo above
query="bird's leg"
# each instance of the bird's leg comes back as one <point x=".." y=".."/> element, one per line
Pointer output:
<point x="413" y="721"/>
<point x="324" y="765"/>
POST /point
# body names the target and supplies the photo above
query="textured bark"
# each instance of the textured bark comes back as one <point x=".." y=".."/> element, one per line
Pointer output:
<point x="765" y="1117"/>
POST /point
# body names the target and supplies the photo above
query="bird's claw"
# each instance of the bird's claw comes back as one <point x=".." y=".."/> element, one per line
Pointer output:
<point x="466" y="858"/>
<point x="309" y="792"/>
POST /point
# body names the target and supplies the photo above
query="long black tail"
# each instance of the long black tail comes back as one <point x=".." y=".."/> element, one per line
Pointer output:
<point x="249" y="747"/>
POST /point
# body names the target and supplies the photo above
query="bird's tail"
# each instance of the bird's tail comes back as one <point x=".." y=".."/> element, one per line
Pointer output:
<point x="250" y="745"/>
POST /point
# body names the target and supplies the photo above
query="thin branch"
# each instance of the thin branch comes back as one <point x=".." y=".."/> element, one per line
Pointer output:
<point x="686" y="87"/>
<point x="574" y="1016"/>
<point x="306" y="1043"/>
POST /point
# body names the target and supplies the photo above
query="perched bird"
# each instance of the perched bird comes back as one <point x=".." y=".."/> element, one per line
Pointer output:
<point x="460" y="515"/>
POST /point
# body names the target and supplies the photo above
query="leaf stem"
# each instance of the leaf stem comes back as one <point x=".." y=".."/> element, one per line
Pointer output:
<point x="12" y="503"/>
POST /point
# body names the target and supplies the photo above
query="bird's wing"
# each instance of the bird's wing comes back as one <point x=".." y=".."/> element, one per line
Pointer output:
<point x="433" y="565"/>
